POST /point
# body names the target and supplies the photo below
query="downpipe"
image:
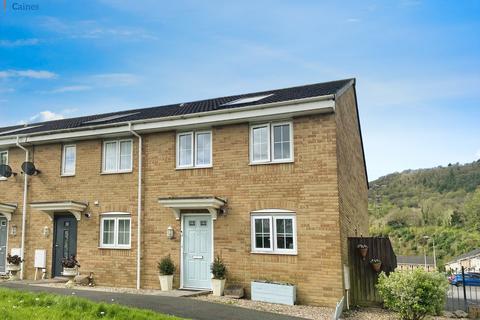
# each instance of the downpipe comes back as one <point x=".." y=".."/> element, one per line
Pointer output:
<point x="24" y="207"/>
<point x="139" y="205"/>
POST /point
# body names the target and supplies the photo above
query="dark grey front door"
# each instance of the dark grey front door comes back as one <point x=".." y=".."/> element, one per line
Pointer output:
<point x="3" y="243"/>
<point x="64" y="241"/>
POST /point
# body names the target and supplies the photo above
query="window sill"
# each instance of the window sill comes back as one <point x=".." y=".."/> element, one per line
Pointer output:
<point x="3" y="179"/>
<point x="115" y="248"/>
<point x="270" y="162"/>
<point x="294" y="253"/>
<point x="193" y="168"/>
<point x="67" y="175"/>
<point x="116" y="172"/>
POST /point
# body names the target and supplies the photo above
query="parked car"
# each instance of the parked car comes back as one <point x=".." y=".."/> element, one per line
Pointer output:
<point x="471" y="279"/>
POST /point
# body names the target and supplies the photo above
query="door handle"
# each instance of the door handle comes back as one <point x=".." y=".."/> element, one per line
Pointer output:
<point x="197" y="257"/>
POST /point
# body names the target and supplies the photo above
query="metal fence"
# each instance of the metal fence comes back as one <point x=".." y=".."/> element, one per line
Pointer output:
<point x="464" y="293"/>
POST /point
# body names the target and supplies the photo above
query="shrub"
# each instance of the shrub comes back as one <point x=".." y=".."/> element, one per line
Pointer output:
<point x="413" y="294"/>
<point x="70" y="262"/>
<point x="218" y="268"/>
<point x="166" y="267"/>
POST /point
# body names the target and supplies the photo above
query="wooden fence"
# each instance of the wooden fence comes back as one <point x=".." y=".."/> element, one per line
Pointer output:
<point x="363" y="278"/>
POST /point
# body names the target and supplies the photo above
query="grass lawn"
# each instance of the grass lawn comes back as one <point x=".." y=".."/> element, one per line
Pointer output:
<point x="42" y="306"/>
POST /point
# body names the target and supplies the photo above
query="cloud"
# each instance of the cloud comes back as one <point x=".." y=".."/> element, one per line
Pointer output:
<point x="115" y="79"/>
<point x="92" y="29"/>
<point x="44" y="116"/>
<point x="19" y="42"/>
<point x="33" y="74"/>
<point x="66" y="89"/>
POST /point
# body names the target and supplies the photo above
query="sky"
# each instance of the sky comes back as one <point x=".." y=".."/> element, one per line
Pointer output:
<point x="417" y="63"/>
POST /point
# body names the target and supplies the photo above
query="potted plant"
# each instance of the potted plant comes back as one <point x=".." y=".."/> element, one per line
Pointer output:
<point x="376" y="264"/>
<point x="219" y="271"/>
<point x="70" y="269"/>
<point x="363" y="249"/>
<point x="166" y="269"/>
<point x="13" y="266"/>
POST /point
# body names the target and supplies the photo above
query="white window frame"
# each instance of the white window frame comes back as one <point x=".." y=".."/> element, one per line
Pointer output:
<point x="271" y="144"/>
<point x="254" y="242"/>
<point x="273" y="217"/>
<point x="6" y="152"/>
<point x="117" y="143"/>
<point x="193" y="157"/>
<point x="272" y="135"/>
<point x="64" y="159"/>
<point x="116" y="216"/>
<point x="263" y="125"/>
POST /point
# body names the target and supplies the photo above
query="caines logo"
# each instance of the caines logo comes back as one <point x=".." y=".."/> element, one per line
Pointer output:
<point x="20" y="6"/>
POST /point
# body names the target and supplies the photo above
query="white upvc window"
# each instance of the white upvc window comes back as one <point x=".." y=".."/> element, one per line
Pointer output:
<point x="3" y="160"/>
<point x="271" y="142"/>
<point x="115" y="231"/>
<point x="194" y="149"/>
<point x="274" y="234"/>
<point x="117" y="156"/>
<point x="69" y="160"/>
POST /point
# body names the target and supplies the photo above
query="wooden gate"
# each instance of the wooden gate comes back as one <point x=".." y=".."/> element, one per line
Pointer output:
<point x="363" y="278"/>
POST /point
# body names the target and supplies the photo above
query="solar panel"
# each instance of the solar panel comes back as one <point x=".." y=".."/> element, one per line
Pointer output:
<point x="247" y="100"/>
<point x="18" y="129"/>
<point x="114" y="117"/>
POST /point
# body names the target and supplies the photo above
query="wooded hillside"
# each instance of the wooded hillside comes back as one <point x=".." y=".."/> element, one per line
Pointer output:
<point x="442" y="202"/>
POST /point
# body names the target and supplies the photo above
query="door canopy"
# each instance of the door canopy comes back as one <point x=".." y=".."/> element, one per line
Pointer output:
<point x="50" y="208"/>
<point x="7" y="210"/>
<point x="212" y="204"/>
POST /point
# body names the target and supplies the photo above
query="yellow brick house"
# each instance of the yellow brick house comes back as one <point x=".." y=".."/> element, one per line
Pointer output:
<point x="273" y="182"/>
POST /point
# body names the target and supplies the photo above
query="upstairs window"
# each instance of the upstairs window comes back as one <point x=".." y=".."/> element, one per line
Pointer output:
<point x="274" y="233"/>
<point x="271" y="142"/>
<point x="69" y="160"/>
<point x="3" y="160"/>
<point x="117" y="156"/>
<point x="194" y="149"/>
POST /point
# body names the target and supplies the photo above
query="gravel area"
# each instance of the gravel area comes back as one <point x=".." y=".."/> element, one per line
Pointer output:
<point x="377" y="314"/>
<point x="307" y="312"/>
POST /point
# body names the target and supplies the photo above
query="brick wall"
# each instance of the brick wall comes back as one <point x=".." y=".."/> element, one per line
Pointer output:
<point x="352" y="180"/>
<point x="309" y="186"/>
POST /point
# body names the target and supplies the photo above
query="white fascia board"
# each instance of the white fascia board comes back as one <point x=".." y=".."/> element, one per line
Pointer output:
<point x="324" y="104"/>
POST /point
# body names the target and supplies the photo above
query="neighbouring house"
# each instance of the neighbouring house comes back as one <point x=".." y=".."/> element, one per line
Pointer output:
<point x="273" y="182"/>
<point x="470" y="261"/>
<point x="414" y="262"/>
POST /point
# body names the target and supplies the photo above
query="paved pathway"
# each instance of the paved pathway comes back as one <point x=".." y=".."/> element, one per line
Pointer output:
<point x="181" y="307"/>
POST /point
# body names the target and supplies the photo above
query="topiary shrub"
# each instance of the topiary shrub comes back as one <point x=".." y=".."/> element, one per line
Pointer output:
<point x="413" y="294"/>
<point x="166" y="267"/>
<point x="218" y="268"/>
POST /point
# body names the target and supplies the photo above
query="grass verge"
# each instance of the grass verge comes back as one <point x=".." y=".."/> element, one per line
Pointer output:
<point x="42" y="306"/>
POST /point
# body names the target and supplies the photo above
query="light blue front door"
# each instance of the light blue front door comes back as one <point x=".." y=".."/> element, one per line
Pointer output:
<point x="197" y="251"/>
<point x="3" y="243"/>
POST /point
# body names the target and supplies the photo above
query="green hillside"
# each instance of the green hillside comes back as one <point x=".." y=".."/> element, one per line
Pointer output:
<point x="442" y="202"/>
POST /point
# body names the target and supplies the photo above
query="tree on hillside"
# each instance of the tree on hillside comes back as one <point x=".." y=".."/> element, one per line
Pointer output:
<point x="472" y="209"/>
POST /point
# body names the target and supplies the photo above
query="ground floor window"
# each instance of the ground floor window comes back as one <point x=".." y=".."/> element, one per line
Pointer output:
<point x="274" y="233"/>
<point x="115" y="230"/>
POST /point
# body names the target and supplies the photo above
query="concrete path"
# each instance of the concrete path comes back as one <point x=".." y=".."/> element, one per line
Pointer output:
<point x="181" y="307"/>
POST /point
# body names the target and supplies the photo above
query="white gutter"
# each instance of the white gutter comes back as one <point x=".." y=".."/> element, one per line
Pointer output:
<point x="139" y="205"/>
<point x="24" y="207"/>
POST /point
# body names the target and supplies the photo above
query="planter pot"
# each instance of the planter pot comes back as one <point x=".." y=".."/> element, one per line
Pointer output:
<point x="166" y="282"/>
<point x="69" y="273"/>
<point x="218" y="286"/>
<point x="13" y="269"/>
<point x="377" y="266"/>
<point x="363" y="252"/>
<point x="274" y="292"/>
